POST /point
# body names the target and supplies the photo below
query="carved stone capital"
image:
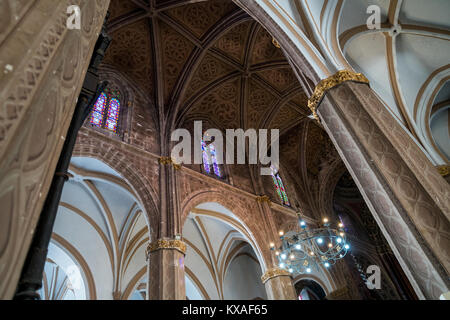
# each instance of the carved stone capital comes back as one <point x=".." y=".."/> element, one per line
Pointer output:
<point x="444" y="170"/>
<point x="169" y="161"/>
<point x="331" y="82"/>
<point x="166" y="244"/>
<point x="275" y="43"/>
<point x="263" y="198"/>
<point x="165" y="160"/>
<point x="273" y="273"/>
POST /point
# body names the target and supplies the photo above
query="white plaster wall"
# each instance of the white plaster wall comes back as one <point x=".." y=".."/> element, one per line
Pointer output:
<point x="243" y="280"/>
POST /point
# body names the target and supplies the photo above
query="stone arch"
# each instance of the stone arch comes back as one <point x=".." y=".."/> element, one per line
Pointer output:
<point x="310" y="286"/>
<point x="251" y="231"/>
<point x="330" y="179"/>
<point x="138" y="277"/>
<point x="64" y="245"/>
<point x="327" y="287"/>
<point x="296" y="45"/>
<point x="141" y="187"/>
<point x="129" y="89"/>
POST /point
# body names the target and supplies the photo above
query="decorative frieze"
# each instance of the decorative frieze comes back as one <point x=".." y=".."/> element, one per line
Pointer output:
<point x="444" y="170"/>
<point x="262" y="199"/>
<point x="275" y="43"/>
<point x="169" y="161"/>
<point x="167" y="244"/>
<point x="273" y="273"/>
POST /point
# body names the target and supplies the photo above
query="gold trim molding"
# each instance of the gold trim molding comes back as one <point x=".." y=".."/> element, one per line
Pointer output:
<point x="331" y="82"/>
<point x="263" y="198"/>
<point x="166" y="244"/>
<point x="273" y="273"/>
<point x="276" y="43"/>
<point x="169" y="161"/>
<point x="444" y="170"/>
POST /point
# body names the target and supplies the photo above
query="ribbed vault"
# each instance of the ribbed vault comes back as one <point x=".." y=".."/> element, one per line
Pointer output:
<point x="210" y="61"/>
<point x="206" y="60"/>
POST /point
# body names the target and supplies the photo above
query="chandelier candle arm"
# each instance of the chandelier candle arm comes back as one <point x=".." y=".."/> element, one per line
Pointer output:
<point x="304" y="251"/>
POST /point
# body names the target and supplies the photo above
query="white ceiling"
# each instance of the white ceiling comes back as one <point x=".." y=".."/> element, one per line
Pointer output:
<point x="417" y="54"/>
<point x="220" y="262"/>
<point x="407" y="60"/>
<point x="101" y="220"/>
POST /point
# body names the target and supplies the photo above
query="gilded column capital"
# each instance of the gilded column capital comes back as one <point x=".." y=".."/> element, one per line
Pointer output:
<point x="166" y="244"/>
<point x="273" y="273"/>
<point x="443" y="170"/>
<point x="263" y="198"/>
<point x="169" y="161"/>
<point x="276" y="43"/>
<point x="331" y="82"/>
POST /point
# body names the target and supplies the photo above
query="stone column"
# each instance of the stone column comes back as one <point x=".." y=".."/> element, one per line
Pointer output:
<point x="42" y="68"/>
<point x="166" y="255"/>
<point x="278" y="283"/>
<point x="166" y="270"/>
<point x="405" y="193"/>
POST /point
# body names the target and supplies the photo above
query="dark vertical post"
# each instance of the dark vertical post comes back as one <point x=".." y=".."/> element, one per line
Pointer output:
<point x="32" y="272"/>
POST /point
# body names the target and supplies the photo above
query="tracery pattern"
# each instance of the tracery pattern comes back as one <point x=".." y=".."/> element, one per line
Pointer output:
<point x="106" y="111"/>
<point x="99" y="110"/>
<point x="210" y="160"/>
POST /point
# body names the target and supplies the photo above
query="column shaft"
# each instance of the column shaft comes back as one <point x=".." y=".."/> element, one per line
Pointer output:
<point x="279" y="285"/>
<point x="166" y="270"/>
<point x="166" y="276"/>
<point x="405" y="193"/>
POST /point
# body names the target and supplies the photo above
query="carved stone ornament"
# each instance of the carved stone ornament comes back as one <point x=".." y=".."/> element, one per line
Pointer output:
<point x="168" y="161"/>
<point x="331" y="82"/>
<point x="275" y="43"/>
<point x="166" y="244"/>
<point x="263" y="198"/>
<point x="273" y="273"/>
<point x="443" y="170"/>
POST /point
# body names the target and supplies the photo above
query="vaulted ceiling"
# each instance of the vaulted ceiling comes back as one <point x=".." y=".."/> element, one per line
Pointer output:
<point x="210" y="61"/>
<point x="219" y="258"/>
<point x="406" y="61"/>
<point x="204" y="61"/>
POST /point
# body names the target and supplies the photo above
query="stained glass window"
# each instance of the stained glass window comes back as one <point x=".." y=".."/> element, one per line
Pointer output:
<point x="113" y="115"/>
<point x="210" y="159"/>
<point x="99" y="110"/>
<point x="205" y="157"/>
<point x="279" y="186"/>
<point x="106" y="111"/>
<point x="212" y="151"/>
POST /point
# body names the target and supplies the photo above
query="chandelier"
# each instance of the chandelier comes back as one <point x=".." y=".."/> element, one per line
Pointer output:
<point x="304" y="251"/>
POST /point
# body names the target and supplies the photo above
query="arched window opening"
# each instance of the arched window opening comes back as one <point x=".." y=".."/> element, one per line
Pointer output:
<point x="279" y="186"/>
<point x="106" y="111"/>
<point x="210" y="164"/>
<point x="98" y="111"/>
<point x="309" y="290"/>
<point x="113" y="115"/>
<point x="63" y="278"/>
